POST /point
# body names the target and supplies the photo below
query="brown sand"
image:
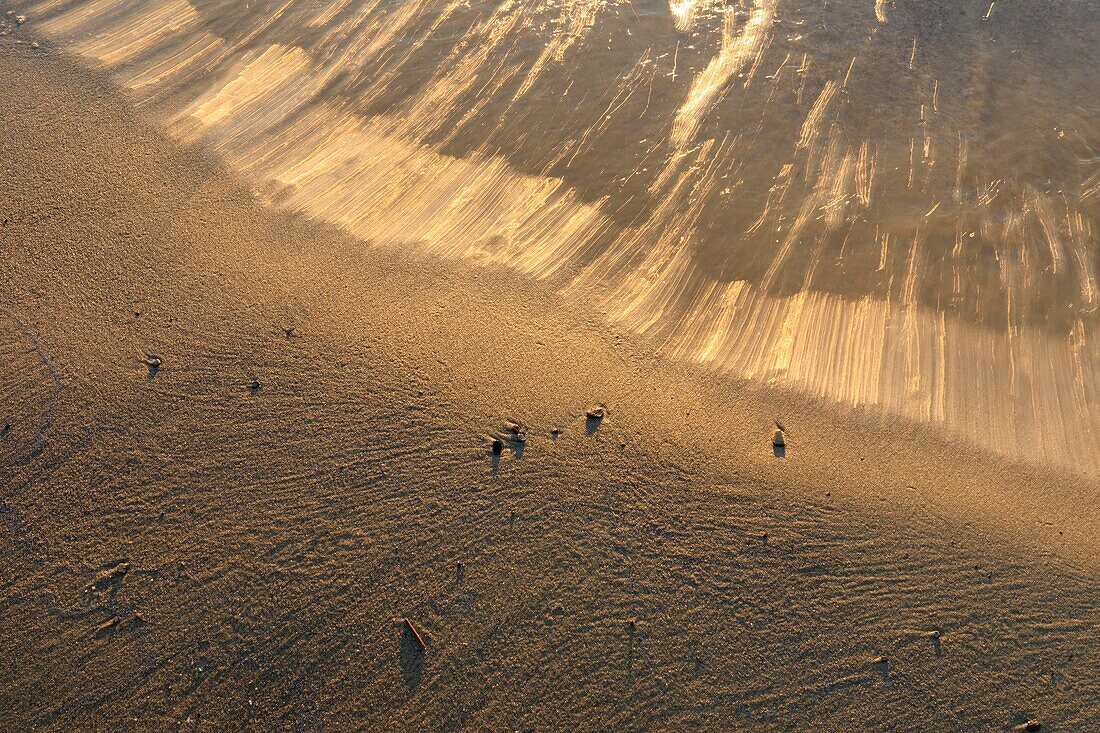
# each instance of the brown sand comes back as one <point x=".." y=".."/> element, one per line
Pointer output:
<point x="236" y="541"/>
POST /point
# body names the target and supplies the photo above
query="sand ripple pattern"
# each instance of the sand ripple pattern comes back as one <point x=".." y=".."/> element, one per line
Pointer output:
<point x="870" y="202"/>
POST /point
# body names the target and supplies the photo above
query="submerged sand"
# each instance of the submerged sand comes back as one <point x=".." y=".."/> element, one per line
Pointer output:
<point x="234" y="541"/>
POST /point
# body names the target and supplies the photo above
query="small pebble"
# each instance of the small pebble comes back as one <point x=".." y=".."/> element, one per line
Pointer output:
<point x="596" y="412"/>
<point x="34" y="44"/>
<point x="517" y="430"/>
<point x="498" y="446"/>
<point x="779" y="439"/>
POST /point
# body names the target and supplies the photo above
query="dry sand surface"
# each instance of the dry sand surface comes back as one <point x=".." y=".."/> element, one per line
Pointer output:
<point x="232" y="539"/>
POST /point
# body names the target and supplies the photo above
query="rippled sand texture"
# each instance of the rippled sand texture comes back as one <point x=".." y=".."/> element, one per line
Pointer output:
<point x="887" y="204"/>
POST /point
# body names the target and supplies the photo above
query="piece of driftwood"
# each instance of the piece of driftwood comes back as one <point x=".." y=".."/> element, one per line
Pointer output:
<point x="415" y="634"/>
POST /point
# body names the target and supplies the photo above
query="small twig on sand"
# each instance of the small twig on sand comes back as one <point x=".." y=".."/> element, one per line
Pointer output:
<point x="107" y="625"/>
<point x="415" y="634"/>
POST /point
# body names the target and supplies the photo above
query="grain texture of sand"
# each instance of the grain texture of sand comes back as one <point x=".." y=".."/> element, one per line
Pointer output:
<point x="248" y="484"/>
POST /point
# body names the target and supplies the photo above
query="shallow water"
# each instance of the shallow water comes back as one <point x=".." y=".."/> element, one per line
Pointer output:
<point x="888" y="204"/>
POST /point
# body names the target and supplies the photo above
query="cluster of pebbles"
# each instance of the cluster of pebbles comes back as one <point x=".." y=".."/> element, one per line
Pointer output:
<point x="10" y="22"/>
<point x="515" y="432"/>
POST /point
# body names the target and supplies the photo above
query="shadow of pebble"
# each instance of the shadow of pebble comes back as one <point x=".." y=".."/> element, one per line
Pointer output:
<point x="780" y="451"/>
<point x="592" y="424"/>
<point x="493" y="454"/>
<point x="412" y="659"/>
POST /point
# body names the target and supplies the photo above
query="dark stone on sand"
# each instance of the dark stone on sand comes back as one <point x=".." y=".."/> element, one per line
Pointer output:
<point x="5" y="430"/>
<point x="1031" y="725"/>
<point x="255" y="386"/>
<point x="498" y="446"/>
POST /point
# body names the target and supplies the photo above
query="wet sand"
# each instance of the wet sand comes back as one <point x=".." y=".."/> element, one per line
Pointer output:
<point x="889" y="205"/>
<point x="231" y="535"/>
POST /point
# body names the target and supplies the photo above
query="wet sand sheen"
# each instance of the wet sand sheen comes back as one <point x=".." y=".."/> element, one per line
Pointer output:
<point x="828" y="199"/>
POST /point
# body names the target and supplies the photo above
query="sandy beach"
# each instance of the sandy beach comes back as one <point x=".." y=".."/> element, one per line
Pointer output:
<point x="247" y="450"/>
